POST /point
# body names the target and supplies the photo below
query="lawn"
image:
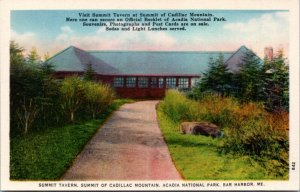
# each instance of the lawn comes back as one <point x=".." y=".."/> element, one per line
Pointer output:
<point x="198" y="158"/>
<point x="47" y="155"/>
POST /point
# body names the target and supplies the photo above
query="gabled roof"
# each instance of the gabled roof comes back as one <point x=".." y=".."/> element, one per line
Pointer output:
<point x="143" y="62"/>
<point x="234" y="62"/>
<point x="158" y="62"/>
<point x="74" y="59"/>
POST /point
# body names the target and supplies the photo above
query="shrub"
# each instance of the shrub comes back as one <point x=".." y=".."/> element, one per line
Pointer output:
<point x="39" y="101"/>
<point x="83" y="97"/>
<point x="72" y="92"/>
<point x="216" y="109"/>
<point x="33" y="93"/>
<point x="97" y="97"/>
<point x="248" y="128"/>
<point x="177" y="106"/>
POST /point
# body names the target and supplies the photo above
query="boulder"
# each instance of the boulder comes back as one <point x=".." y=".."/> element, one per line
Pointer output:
<point x="200" y="128"/>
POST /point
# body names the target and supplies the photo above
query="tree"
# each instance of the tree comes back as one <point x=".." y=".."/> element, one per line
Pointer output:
<point x="17" y="58"/>
<point x="217" y="78"/>
<point x="72" y="90"/>
<point x="46" y="57"/>
<point x="98" y="97"/>
<point x="89" y="73"/>
<point x="250" y="77"/>
<point x="33" y="92"/>
<point x="276" y="92"/>
<point x="24" y="97"/>
<point x="33" y="59"/>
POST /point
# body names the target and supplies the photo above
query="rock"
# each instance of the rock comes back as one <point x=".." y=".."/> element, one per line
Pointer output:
<point x="200" y="128"/>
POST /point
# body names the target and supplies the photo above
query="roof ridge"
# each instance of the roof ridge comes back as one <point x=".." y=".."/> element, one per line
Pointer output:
<point x="60" y="52"/>
<point x="235" y="52"/>
<point x="92" y="58"/>
<point x="139" y="51"/>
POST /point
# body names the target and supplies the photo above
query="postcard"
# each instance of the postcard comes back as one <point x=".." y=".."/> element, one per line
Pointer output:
<point x="139" y="95"/>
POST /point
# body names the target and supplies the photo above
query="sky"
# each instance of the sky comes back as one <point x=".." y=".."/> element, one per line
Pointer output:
<point x="48" y="32"/>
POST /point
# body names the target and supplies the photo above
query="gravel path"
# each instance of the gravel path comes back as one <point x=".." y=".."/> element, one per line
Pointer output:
<point x="129" y="146"/>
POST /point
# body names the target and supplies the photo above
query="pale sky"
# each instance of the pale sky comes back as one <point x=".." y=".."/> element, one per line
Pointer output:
<point x="48" y="32"/>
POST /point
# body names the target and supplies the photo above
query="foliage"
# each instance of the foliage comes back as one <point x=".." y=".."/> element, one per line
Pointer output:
<point x="72" y="92"/>
<point x="89" y="73"/>
<point x="97" y="97"/>
<point x="266" y="82"/>
<point x="39" y="101"/>
<point x="177" y="106"/>
<point x="16" y="57"/>
<point x="33" y="58"/>
<point x="248" y="128"/>
<point x="47" y="155"/>
<point x="276" y="82"/>
<point x="84" y="98"/>
<point x="250" y="78"/>
<point x="32" y="93"/>
<point x="216" y="79"/>
<point x="197" y="157"/>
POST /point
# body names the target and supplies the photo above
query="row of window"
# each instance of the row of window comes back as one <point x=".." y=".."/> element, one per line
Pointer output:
<point x="155" y="82"/>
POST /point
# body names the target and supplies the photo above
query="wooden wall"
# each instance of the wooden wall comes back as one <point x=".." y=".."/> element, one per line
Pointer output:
<point x="129" y="92"/>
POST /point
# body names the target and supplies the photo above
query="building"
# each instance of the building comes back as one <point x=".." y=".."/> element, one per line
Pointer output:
<point x="142" y="74"/>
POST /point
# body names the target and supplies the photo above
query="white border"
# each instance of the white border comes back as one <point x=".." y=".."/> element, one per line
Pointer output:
<point x="291" y="5"/>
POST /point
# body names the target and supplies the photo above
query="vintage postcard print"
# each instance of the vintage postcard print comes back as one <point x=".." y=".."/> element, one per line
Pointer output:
<point x="160" y="95"/>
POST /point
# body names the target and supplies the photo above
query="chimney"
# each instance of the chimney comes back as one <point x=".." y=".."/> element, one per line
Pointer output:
<point x="269" y="53"/>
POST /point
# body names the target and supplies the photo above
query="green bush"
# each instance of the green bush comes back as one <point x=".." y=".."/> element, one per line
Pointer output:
<point x="73" y="95"/>
<point x="83" y="99"/>
<point x="177" y="106"/>
<point x="97" y="97"/>
<point x="39" y="101"/>
<point x="248" y="128"/>
<point x="34" y="93"/>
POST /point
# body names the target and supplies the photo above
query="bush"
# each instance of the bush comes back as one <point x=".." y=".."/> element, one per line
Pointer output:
<point x="73" y="95"/>
<point x="216" y="109"/>
<point x="33" y="93"/>
<point x="177" y="106"/>
<point x="248" y="128"/>
<point x="84" y="98"/>
<point x="39" y="101"/>
<point x="97" y="97"/>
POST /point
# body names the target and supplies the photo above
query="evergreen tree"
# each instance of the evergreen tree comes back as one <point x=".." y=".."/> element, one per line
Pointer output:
<point x="89" y="73"/>
<point x="250" y="78"/>
<point x="46" y="57"/>
<point x="276" y="93"/>
<point x="33" y="59"/>
<point x="25" y="91"/>
<point x="17" y="60"/>
<point x="217" y="79"/>
<point x="32" y="92"/>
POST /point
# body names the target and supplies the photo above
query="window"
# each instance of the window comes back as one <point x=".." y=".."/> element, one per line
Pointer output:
<point x="119" y="82"/>
<point x="143" y="82"/>
<point x="183" y="82"/>
<point x="153" y="82"/>
<point x="195" y="81"/>
<point x="171" y="82"/>
<point x="130" y="81"/>
<point x="161" y="82"/>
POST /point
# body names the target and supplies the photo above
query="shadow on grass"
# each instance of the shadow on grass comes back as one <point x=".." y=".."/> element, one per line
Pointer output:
<point x="191" y="141"/>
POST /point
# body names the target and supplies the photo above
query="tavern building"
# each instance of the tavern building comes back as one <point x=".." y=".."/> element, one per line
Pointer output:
<point x="142" y="74"/>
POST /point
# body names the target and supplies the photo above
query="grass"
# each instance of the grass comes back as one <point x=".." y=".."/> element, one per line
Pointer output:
<point x="47" y="155"/>
<point x="249" y="130"/>
<point x="197" y="157"/>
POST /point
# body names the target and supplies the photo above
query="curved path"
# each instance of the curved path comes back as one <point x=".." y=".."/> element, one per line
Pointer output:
<point x="129" y="146"/>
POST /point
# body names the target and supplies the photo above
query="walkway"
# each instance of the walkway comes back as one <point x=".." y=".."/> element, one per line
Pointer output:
<point x="129" y="146"/>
